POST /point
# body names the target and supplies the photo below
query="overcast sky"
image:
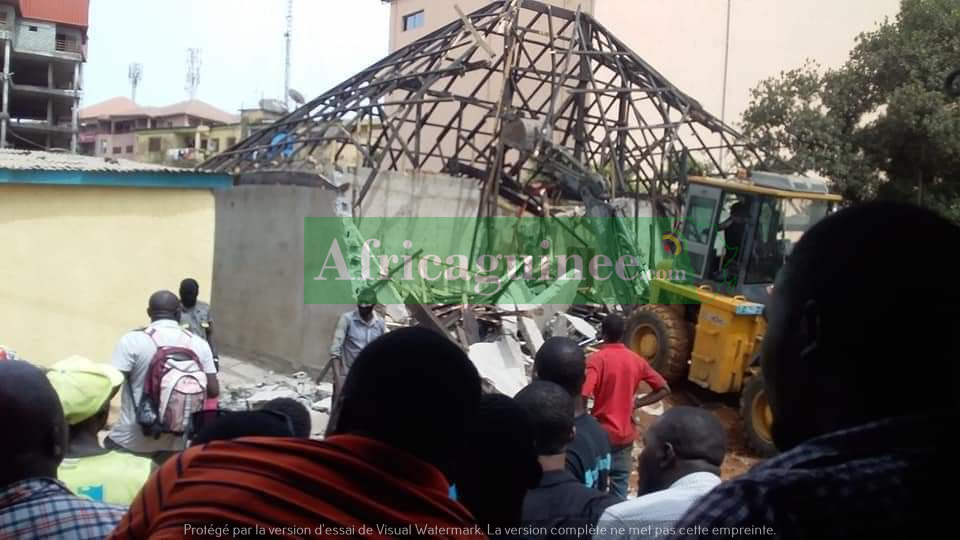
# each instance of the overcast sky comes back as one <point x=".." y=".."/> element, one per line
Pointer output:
<point x="241" y="42"/>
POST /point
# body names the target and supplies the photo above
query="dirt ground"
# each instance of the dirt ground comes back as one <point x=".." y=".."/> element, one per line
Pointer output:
<point x="739" y="457"/>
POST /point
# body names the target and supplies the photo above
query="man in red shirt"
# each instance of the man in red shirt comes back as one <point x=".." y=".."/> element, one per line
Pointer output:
<point x="613" y="375"/>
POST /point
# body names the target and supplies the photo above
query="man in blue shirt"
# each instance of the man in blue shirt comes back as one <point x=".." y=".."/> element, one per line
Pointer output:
<point x="355" y="330"/>
<point x="561" y="361"/>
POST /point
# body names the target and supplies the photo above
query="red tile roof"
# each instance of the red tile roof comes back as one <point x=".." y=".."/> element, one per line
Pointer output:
<point x="118" y="106"/>
<point x="72" y="12"/>
<point x="122" y="106"/>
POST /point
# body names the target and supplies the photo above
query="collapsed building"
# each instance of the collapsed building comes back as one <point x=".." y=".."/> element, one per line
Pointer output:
<point x="519" y="108"/>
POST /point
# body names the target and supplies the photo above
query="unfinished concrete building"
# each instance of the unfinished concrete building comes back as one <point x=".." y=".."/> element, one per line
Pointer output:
<point x="44" y="48"/>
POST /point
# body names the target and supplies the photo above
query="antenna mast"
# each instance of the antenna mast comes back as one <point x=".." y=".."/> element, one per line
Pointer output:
<point x="288" y="36"/>
<point x="135" y="73"/>
<point x="193" y="72"/>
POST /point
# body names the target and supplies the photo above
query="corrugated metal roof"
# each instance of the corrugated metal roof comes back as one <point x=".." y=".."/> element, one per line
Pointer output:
<point x="73" y="12"/>
<point x="34" y="160"/>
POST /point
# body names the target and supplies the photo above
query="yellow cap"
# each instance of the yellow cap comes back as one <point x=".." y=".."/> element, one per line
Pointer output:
<point x="83" y="386"/>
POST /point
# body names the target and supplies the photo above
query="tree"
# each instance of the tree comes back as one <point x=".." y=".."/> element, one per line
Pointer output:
<point x="880" y="126"/>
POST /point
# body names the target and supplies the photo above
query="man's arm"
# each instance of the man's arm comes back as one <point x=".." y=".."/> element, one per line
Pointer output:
<point x="592" y="378"/>
<point x="336" y="348"/>
<point x="209" y="366"/>
<point x="209" y="331"/>
<point x="123" y="358"/>
<point x="653" y="397"/>
<point x="213" y="385"/>
<point x="659" y="385"/>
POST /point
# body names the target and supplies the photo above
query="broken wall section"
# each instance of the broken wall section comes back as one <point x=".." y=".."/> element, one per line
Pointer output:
<point x="257" y="290"/>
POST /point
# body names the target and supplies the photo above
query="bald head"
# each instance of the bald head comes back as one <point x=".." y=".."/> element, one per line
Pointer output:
<point x="694" y="433"/>
<point x="32" y="412"/>
<point x="163" y="305"/>
<point x="683" y="441"/>
<point x="561" y="361"/>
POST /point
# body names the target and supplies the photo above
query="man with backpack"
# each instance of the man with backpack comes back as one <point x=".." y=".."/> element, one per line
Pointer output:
<point x="168" y="373"/>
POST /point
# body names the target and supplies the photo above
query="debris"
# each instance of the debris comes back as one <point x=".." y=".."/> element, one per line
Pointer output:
<point x="325" y="389"/>
<point x="581" y="326"/>
<point x="323" y="405"/>
<point x="531" y="333"/>
<point x="247" y="387"/>
<point x="501" y="364"/>
<point x="396" y="313"/>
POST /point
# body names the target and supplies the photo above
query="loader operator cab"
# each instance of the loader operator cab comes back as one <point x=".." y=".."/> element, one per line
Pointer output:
<point x="738" y="233"/>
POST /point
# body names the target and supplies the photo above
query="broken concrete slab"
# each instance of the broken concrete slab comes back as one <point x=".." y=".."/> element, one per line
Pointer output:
<point x="325" y="389"/>
<point x="501" y="364"/>
<point x="582" y="327"/>
<point x="532" y="334"/>
<point x="396" y="312"/>
<point x="324" y="405"/>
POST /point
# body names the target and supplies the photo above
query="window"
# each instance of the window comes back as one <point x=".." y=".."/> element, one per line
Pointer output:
<point x="214" y="145"/>
<point x="699" y="219"/>
<point x="413" y="20"/>
<point x="231" y="141"/>
<point x="3" y="17"/>
<point x="768" y="252"/>
<point x="203" y="144"/>
<point x="32" y="28"/>
<point x="117" y="149"/>
<point x="129" y="148"/>
<point x="153" y="144"/>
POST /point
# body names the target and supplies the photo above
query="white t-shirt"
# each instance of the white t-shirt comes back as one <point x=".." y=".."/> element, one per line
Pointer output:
<point x="132" y="355"/>
<point x="652" y="516"/>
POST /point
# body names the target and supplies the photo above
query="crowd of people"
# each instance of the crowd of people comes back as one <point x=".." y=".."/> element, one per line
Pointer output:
<point x="414" y="447"/>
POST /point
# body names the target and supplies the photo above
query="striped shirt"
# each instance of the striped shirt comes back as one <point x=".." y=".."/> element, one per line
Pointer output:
<point x="296" y="488"/>
<point x="43" y="508"/>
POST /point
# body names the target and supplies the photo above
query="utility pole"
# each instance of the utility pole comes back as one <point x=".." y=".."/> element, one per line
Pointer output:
<point x="134" y="73"/>
<point x="288" y="36"/>
<point x="193" y="72"/>
<point x="726" y="66"/>
<point x="5" y="120"/>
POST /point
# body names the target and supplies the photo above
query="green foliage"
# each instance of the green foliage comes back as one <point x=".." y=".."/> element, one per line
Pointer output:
<point x="880" y="126"/>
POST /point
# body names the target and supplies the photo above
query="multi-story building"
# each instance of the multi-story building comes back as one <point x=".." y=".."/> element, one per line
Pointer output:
<point x="688" y="41"/>
<point x="182" y="134"/>
<point x="44" y="47"/>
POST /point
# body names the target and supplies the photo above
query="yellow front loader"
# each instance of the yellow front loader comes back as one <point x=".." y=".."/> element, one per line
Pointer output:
<point x="734" y="236"/>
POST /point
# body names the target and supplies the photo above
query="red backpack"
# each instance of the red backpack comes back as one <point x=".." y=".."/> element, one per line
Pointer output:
<point x="174" y="389"/>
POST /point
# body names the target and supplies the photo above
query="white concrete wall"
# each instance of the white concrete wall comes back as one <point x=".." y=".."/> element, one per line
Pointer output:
<point x="417" y="194"/>
<point x="258" y="299"/>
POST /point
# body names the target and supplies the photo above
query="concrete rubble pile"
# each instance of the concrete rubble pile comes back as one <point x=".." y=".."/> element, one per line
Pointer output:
<point x="246" y="387"/>
<point x="501" y="340"/>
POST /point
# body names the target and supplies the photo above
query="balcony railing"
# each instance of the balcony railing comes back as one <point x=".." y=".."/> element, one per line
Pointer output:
<point x="69" y="45"/>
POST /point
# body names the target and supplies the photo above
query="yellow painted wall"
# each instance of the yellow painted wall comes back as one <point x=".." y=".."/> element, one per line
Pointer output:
<point x="77" y="264"/>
